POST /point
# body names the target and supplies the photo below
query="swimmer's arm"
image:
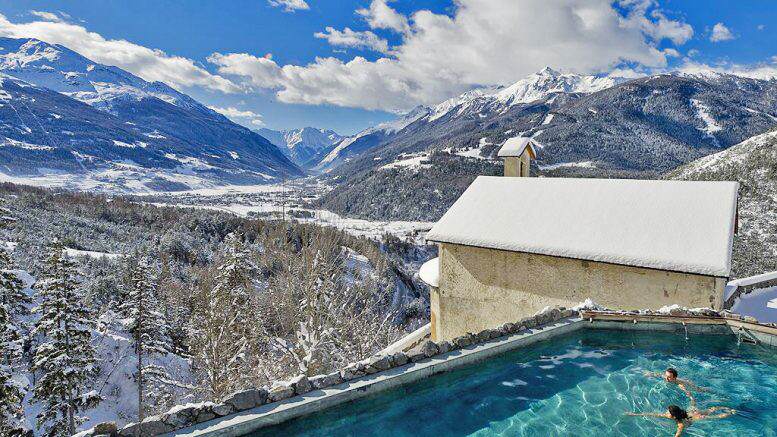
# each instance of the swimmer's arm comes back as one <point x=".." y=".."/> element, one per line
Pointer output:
<point x="680" y="429"/>
<point x="726" y="413"/>
<point x="662" y="415"/>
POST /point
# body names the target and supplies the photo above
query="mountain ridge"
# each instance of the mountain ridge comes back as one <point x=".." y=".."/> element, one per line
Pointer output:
<point x="117" y="129"/>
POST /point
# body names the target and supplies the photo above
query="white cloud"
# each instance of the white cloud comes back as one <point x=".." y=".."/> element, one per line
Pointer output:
<point x="763" y="71"/>
<point x="482" y="42"/>
<point x="354" y="39"/>
<point x="290" y="5"/>
<point x="47" y="16"/>
<point x="644" y="16"/>
<point x="671" y="52"/>
<point x="381" y="16"/>
<point x="721" y="33"/>
<point x="239" y="116"/>
<point x="150" y="64"/>
<point x="761" y="27"/>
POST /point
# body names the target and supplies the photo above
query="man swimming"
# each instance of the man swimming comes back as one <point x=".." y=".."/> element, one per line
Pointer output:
<point x="685" y="418"/>
<point x="670" y="376"/>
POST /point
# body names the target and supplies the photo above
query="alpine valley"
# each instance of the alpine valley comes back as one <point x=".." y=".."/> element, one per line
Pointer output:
<point x="88" y="125"/>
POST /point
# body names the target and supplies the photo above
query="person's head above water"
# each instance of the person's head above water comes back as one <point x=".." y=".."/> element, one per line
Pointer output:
<point x="677" y="413"/>
<point x="670" y="374"/>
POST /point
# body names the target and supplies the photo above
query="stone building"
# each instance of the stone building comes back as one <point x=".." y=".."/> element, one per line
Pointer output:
<point x="511" y="246"/>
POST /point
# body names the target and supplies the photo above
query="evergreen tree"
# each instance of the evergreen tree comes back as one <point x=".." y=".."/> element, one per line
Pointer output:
<point x="65" y="356"/>
<point x="11" y="393"/>
<point x="11" y="287"/>
<point x="13" y="303"/>
<point x="222" y="331"/>
<point x="149" y="329"/>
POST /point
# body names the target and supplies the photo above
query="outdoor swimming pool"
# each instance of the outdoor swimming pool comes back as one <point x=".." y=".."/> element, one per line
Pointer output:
<point x="578" y="384"/>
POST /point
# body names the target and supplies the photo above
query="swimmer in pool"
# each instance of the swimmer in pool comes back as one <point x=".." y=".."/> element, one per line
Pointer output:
<point x="670" y="376"/>
<point x="685" y="418"/>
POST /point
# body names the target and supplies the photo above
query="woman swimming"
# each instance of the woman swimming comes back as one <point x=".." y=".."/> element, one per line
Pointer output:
<point x="686" y="418"/>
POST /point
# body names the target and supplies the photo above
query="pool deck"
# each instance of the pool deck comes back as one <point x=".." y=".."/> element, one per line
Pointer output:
<point x="764" y="334"/>
<point x="248" y="421"/>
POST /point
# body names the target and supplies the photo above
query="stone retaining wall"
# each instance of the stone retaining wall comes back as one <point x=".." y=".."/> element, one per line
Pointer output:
<point x="191" y="414"/>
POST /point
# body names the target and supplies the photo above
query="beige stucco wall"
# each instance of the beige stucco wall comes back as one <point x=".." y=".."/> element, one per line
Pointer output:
<point x="512" y="165"/>
<point x="484" y="288"/>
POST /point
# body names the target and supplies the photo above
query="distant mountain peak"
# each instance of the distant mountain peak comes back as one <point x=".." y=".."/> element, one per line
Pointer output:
<point x="305" y="146"/>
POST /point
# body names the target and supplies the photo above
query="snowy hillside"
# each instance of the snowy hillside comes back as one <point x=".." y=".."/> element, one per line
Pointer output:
<point x="305" y="146"/>
<point x="73" y="118"/>
<point x="480" y="103"/>
<point x="753" y="163"/>
<point x="60" y="69"/>
<point x="584" y="126"/>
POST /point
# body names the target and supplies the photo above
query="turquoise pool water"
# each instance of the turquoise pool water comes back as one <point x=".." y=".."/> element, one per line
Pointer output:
<point x="576" y="385"/>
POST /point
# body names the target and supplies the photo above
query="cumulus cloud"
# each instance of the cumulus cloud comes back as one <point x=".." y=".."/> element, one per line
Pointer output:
<point x="353" y="39"/>
<point x="721" y="33"/>
<point x="381" y="16"/>
<point x="150" y="64"/>
<point x="239" y="116"/>
<point x="290" y="5"/>
<point x="482" y="42"/>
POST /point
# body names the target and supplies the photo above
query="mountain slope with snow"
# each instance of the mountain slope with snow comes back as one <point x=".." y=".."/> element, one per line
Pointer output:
<point x="753" y="163"/>
<point x="64" y="114"/>
<point x="305" y="146"/>
<point x="642" y="127"/>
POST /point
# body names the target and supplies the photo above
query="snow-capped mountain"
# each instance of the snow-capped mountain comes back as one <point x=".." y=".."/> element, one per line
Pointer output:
<point x="480" y="103"/>
<point x="60" y="69"/>
<point x="352" y="146"/>
<point x="305" y="146"/>
<point x="752" y="163"/>
<point x="65" y="115"/>
<point x="535" y="87"/>
<point x="641" y="127"/>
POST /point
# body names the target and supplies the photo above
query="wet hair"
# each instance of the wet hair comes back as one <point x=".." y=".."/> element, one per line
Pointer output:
<point x="677" y="413"/>
<point x="672" y="372"/>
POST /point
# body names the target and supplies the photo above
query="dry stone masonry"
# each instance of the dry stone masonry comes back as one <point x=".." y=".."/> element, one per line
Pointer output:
<point x="191" y="414"/>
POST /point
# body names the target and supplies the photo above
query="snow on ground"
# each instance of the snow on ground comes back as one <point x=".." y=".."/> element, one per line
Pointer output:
<point x="412" y="161"/>
<point x="761" y="304"/>
<point x="90" y="254"/>
<point x="474" y="152"/>
<point x="272" y="201"/>
<point x="582" y="164"/>
<point x="129" y="178"/>
<point x="548" y="118"/>
<point x="703" y="112"/>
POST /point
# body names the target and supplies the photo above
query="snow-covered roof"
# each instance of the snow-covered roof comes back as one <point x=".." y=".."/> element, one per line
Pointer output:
<point x="515" y="146"/>
<point x="430" y="272"/>
<point x="669" y="225"/>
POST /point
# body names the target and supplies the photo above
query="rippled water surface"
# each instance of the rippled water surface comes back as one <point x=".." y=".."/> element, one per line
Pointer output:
<point x="578" y="385"/>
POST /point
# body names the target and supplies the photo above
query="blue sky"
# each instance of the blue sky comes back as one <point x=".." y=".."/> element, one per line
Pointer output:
<point x="262" y="64"/>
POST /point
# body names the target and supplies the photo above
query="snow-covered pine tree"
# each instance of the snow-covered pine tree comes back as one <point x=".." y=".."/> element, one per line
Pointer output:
<point x="149" y="329"/>
<point x="11" y="392"/>
<point x="65" y="356"/>
<point x="13" y="304"/>
<point x="222" y="332"/>
<point x="11" y="287"/>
